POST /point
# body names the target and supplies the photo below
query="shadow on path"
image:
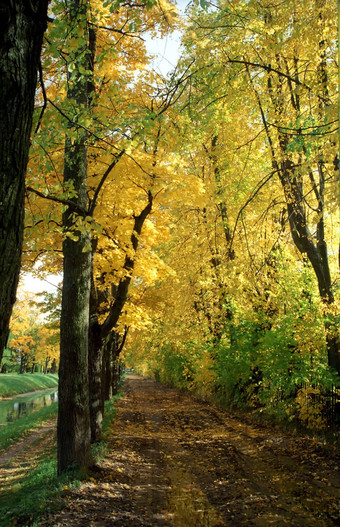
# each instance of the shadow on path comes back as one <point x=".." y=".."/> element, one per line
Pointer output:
<point x="174" y="461"/>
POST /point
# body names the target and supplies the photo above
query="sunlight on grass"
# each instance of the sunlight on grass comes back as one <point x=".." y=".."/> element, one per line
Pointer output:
<point x="12" y="432"/>
<point x="14" y="383"/>
<point x="30" y="487"/>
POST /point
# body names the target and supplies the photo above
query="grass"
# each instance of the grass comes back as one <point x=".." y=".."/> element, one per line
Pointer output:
<point x="16" y="383"/>
<point x="40" y="491"/>
<point x="37" y="491"/>
<point x="13" y="432"/>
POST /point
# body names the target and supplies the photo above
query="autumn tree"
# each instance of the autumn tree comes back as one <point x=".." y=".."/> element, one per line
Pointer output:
<point x="283" y="79"/>
<point x="73" y="414"/>
<point x="99" y="124"/>
<point x="243" y="316"/>
<point x="22" y="27"/>
<point x="31" y="338"/>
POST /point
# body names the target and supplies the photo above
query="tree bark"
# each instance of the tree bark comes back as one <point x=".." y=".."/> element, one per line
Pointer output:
<point x="96" y="348"/>
<point x="107" y="371"/>
<point x="100" y="335"/>
<point x="74" y="448"/>
<point x="22" y="26"/>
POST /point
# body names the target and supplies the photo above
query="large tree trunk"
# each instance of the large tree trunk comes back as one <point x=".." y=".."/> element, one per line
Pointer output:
<point x="73" y="417"/>
<point x="74" y="448"/>
<point x="22" y="25"/>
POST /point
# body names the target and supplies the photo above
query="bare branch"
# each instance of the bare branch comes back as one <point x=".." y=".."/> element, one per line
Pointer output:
<point x="94" y="200"/>
<point x="42" y="85"/>
<point x="71" y="204"/>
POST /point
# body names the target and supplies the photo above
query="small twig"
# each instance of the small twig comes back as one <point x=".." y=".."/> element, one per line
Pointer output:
<point x="93" y="202"/>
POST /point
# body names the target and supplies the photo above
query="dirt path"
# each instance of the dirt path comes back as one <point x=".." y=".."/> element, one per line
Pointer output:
<point x="177" y="462"/>
<point x="19" y="460"/>
<point x="23" y="445"/>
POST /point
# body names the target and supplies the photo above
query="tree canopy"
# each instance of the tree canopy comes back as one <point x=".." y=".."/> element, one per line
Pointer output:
<point x="195" y="215"/>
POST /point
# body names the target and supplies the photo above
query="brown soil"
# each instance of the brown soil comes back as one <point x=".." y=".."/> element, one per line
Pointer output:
<point x="20" y="449"/>
<point x="17" y="461"/>
<point x="174" y="461"/>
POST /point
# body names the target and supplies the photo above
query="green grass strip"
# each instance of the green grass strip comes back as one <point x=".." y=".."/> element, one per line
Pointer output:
<point x="12" y="433"/>
<point x="40" y="492"/>
<point x="14" y="383"/>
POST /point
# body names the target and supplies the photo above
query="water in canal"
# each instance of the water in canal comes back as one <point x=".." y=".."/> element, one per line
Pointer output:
<point x="22" y="405"/>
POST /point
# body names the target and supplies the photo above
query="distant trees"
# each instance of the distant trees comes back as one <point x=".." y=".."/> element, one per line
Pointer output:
<point x="33" y="341"/>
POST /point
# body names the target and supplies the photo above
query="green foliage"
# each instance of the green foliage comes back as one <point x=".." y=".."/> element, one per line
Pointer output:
<point x="274" y="353"/>
<point x="8" y="359"/>
<point x="109" y="416"/>
<point x="270" y="357"/>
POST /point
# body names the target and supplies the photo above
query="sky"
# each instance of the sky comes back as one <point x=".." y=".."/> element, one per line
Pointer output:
<point x="36" y="285"/>
<point x="166" y="51"/>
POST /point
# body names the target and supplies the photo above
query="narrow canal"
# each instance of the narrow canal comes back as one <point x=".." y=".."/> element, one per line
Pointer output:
<point x="25" y="404"/>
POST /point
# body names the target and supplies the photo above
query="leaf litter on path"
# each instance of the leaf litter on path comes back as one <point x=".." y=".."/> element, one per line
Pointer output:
<point x="175" y="461"/>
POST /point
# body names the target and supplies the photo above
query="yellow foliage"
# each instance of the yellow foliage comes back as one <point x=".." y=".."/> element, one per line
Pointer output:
<point x="310" y="407"/>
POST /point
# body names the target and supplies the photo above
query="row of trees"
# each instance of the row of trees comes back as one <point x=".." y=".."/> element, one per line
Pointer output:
<point x="255" y="292"/>
<point x="194" y="213"/>
<point x="92" y="181"/>
<point x="33" y="343"/>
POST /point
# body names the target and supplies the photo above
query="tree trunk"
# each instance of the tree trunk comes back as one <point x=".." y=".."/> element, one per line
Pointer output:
<point x="22" y="25"/>
<point x="107" y="371"/>
<point x="116" y="372"/>
<point x="315" y="252"/>
<point x="95" y="381"/>
<point x="73" y="392"/>
<point x="101" y="336"/>
<point x="22" y="363"/>
<point x="311" y="246"/>
<point x="54" y="366"/>
<point x="74" y="435"/>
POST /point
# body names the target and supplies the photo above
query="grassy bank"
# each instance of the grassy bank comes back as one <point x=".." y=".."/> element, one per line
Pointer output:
<point x="39" y="490"/>
<point x="16" y="383"/>
<point x="13" y="432"/>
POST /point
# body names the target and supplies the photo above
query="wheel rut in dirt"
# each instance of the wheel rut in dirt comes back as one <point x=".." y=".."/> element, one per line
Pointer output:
<point x="175" y="461"/>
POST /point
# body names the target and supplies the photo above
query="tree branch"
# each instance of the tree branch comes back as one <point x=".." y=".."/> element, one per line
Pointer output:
<point x="94" y="200"/>
<point x="42" y="85"/>
<point x="269" y="69"/>
<point x="76" y="208"/>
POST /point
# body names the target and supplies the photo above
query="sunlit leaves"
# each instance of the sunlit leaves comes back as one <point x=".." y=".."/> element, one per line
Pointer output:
<point x="242" y="300"/>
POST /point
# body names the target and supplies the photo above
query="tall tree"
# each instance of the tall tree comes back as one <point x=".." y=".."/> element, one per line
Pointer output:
<point x="99" y="333"/>
<point x="73" y="416"/>
<point x="22" y="26"/>
<point x="103" y="122"/>
<point x="281" y="78"/>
